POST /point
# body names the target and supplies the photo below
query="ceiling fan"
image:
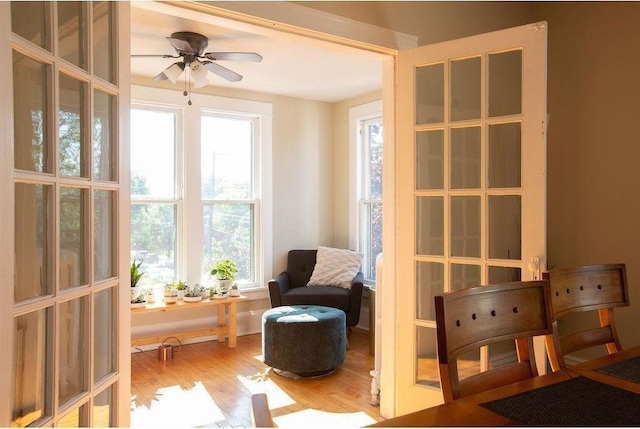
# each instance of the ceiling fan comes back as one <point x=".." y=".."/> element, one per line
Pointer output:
<point x="190" y="48"/>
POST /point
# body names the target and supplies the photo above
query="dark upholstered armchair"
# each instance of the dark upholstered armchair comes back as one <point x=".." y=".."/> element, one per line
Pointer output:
<point x="290" y="288"/>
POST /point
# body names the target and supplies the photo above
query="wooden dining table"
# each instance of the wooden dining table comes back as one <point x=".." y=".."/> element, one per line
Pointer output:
<point x="581" y="392"/>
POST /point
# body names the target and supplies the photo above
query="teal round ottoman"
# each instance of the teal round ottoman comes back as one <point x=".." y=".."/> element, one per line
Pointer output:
<point x="304" y="340"/>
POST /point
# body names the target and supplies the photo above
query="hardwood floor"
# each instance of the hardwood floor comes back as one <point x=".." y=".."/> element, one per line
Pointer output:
<point x="210" y="385"/>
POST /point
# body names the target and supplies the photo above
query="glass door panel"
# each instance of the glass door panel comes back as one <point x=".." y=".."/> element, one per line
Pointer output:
<point x="505" y="155"/>
<point x="32" y="367"/>
<point x="29" y="20"/>
<point x="71" y="32"/>
<point x="466" y="150"/>
<point x="31" y="114"/>
<point x="103" y="408"/>
<point x="34" y="249"/>
<point x="104" y="203"/>
<point x="426" y="372"/>
<point x="505" y="83"/>
<point x="104" y="348"/>
<point x="465" y="226"/>
<point x="73" y="232"/>
<point x="505" y="227"/>
<point x="430" y="281"/>
<point x="103" y="137"/>
<point x="466" y="102"/>
<point x="504" y="274"/>
<point x="430" y="223"/>
<point x="430" y="160"/>
<point x="430" y="94"/>
<point x="464" y="276"/>
<point x="73" y="350"/>
<point x="103" y="40"/>
<point x="72" y="119"/>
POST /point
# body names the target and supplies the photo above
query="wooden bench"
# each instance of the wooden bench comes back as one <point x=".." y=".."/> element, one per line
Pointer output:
<point x="225" y="306"/>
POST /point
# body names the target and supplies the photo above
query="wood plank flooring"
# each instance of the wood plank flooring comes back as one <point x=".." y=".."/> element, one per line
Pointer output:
<point x="210" y="385"/>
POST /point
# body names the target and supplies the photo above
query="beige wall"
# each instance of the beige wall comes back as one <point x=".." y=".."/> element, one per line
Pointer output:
<point x="593" y="141"/>
<point x="432" y="21"/>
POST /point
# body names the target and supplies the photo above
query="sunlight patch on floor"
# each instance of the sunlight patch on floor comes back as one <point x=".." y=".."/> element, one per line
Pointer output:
<point x="177" y="407"/>
<point x="321" y="419"/>
<point x="260" y="383"/>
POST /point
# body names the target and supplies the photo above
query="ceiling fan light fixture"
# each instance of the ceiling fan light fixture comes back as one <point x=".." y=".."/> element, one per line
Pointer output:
<point x="199" y="74"/>
<point x="174" y="71"/>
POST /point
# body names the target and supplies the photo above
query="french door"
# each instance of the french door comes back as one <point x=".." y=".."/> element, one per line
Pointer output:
<point x="470" y="177"/>
<point x="64" y="218"/>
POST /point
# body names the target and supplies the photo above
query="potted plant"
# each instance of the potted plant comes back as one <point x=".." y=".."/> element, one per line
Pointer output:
<point x="234" y="291"/>
<point x="170" y="294"/>
<point x="136" y="274"/>
<point x="138" y="302"/>
<point x="149" y="295"/>
<point x="181" y="287"/>
<point x="225" y="271"/>
<point x="219" y="292"/>
<point x="193" y="294"/>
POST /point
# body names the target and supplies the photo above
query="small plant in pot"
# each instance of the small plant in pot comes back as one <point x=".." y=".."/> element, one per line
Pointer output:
<point x="234" y="291"/>
<point x="225" y="271"/>
<point x="181" y="287"/>
<point x="218" y="292"/>
<point x="149" y="294"/>
<point x="193" y="294"/>
<point x="136" y="274"/>
<point x="170" y="294"/>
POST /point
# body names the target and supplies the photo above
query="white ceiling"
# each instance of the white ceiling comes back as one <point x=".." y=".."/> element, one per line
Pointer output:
<point x="292" y="65"/>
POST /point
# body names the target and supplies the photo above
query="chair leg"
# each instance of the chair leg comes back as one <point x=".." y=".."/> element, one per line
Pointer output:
<point x="348" y="336"/>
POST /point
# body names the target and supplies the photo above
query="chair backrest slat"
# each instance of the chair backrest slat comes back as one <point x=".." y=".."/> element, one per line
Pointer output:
<point x="470" y="318"/>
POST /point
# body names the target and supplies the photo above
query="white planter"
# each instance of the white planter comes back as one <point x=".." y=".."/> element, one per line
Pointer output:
<point x="234" y="292"/>
<point x="225" y="283"/>
<point x="135" y="292"/>
<point x="192" y="298"/>
<point x="170" y="296"/>
<point x="217" y="296"/>
<point x="151" y="298"/>
<point x="180" y="294"/>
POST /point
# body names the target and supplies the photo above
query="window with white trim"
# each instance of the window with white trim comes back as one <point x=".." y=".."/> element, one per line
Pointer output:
<point x="197" y="188"/>
<point x="366" y="213"/>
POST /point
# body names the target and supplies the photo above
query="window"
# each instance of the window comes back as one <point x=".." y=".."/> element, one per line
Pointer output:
<point x="366" y="213"/>
<point x="155" y="200"/>
<point x="228" y="203"/>
<point x="197" y="187"/>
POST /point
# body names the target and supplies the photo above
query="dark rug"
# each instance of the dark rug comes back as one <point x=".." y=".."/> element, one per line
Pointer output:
<point x="628" y="369"/>
<point x="576" y="402"/>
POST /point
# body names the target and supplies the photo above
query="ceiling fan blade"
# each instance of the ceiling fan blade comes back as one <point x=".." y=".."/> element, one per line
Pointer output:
<point x="154" y="56"/>
<point x="182" y="46"/>
<point x="234" y="56"/>
<point x="172" y="72"/>
<point x="223" y="72"/>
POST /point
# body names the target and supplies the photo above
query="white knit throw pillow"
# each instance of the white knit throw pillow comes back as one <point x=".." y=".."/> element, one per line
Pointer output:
<point x="335" y="267"/>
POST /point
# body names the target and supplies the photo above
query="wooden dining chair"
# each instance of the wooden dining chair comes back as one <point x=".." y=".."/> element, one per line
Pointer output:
<point x="470" y="318"/>
<point x="599" y="288"/>
<point x="260" y="413"/>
